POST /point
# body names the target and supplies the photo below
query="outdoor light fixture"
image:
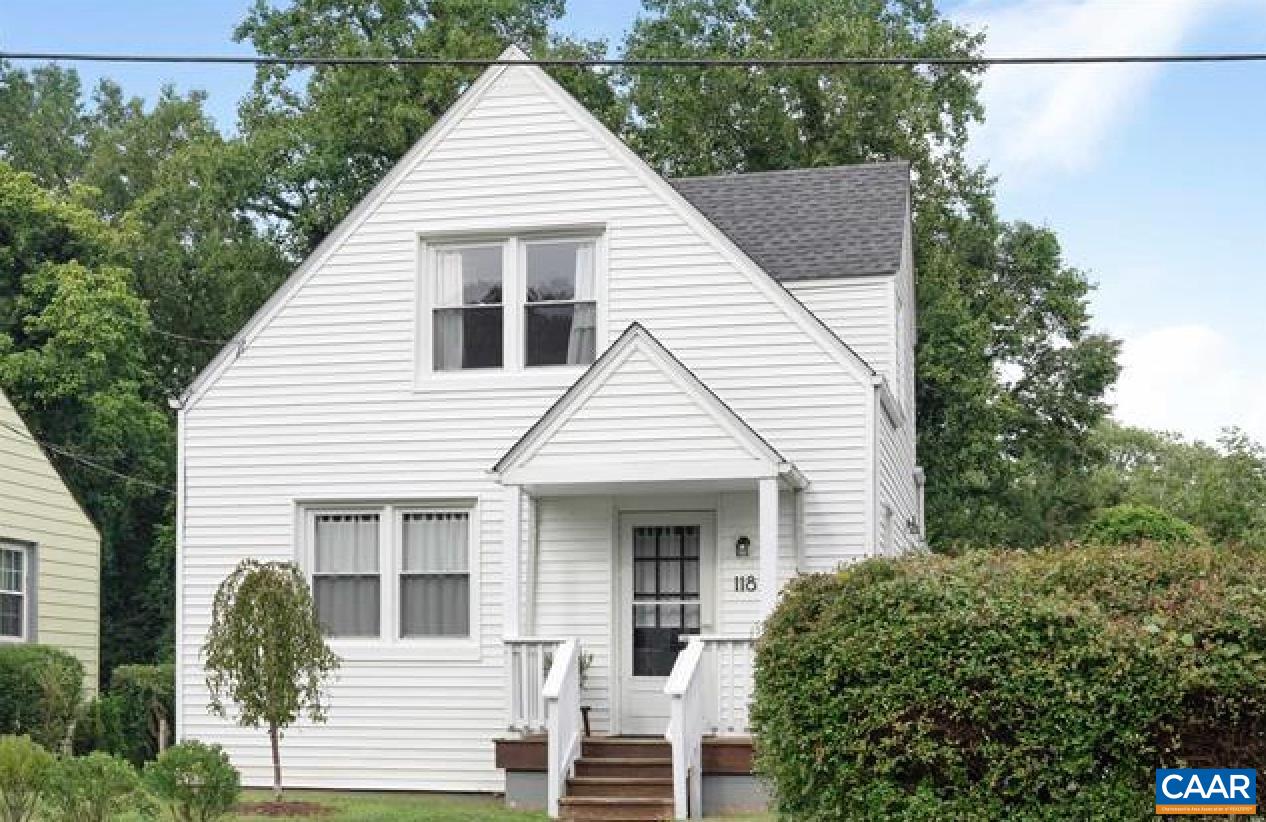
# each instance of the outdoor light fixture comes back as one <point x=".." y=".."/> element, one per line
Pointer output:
<point x="742" y="547"/>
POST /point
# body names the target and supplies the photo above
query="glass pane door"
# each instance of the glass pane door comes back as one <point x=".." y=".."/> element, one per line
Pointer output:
<point x="665" y="594"/>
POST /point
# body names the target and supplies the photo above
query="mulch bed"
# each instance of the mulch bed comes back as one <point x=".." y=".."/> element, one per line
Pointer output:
<point x="283" y="809"/>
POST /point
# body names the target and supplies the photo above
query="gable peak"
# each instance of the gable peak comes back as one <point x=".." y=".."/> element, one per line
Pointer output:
<point x="513" y="52"/>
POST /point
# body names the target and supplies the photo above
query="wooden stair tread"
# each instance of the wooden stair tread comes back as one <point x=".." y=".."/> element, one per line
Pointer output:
<point x="621" y="780"/>
<point x="625" y="760"/>
<point x="615" y="800"/>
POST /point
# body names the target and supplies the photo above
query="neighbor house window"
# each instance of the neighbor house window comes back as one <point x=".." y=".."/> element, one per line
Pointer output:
<point x="514" y="303"/>
<point x="435" y="574"/>
<point x="13" y="591"/>
<point x="468" y="320"/>
<point x="346" y="582"/>
<point x="560" y="311"/>
<point x="392" y="572"/>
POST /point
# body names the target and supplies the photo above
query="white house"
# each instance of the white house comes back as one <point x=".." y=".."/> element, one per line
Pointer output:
<point x="532" y="409"/>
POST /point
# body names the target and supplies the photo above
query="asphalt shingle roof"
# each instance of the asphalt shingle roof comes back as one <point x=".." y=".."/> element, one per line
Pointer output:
<point x="811" y="223"/>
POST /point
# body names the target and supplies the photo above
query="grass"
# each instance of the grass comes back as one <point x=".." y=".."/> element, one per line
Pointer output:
<point x="398" y="807"/>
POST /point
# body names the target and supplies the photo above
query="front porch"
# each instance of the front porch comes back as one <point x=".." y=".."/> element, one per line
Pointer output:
<point x="646" y="529"/>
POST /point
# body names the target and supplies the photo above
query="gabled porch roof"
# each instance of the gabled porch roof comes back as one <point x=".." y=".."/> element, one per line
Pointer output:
<point x="639" y="415"/>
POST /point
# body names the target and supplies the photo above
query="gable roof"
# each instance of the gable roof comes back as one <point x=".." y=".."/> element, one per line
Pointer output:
<point x="811" y="223"/>
<point x="813" y="325"/>
<point x="637" y="345"/>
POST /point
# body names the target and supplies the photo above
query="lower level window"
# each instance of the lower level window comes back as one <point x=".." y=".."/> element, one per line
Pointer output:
<point x="392" y="572"/>
<point x="346" y="583"/>
<point x="13" y="591"/>
<point x="434" y="574"/>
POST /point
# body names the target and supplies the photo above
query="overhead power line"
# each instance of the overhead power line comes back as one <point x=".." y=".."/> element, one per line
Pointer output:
<point x="633" y="62"/>
<point x="63" y="451"/>
<point x="173" y="335"/>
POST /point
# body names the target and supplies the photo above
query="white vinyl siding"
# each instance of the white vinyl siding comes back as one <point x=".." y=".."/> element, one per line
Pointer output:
<point x="63" y="549"/>
<point x="325" y="404"/>
<point x="860" y="310"/>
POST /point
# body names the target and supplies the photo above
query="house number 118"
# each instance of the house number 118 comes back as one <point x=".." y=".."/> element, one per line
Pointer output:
<point x="745" y="583"/>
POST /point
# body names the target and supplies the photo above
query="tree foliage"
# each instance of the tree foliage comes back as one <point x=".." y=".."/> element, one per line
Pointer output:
<point x="1010" y="380"/>
<point x="265" y="652"/>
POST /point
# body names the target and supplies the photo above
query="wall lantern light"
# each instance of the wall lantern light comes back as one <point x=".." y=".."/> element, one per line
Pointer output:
<point x="742" y="547"/>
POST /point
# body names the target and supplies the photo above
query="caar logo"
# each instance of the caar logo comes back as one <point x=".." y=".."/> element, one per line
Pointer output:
<point x="1206" y="790"/>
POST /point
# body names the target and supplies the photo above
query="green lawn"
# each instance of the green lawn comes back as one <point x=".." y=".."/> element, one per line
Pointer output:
<point x="394" y="807"/>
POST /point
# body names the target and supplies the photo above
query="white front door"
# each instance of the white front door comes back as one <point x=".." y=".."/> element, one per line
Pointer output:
<point x="665" y="591"/>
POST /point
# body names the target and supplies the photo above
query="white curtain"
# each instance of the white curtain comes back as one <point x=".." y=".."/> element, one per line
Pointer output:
<point x="346" y="586"/>
<point x="435" y="576"/>
<point x="448" y="335"/>
<point x="580" y="345"/>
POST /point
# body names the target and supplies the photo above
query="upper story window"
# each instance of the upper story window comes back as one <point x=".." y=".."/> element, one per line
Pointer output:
<point x="560" y="310"/>
<point x="13" y="591"/>
<point x="515" y="303"/>
<point x="469" y="315"/>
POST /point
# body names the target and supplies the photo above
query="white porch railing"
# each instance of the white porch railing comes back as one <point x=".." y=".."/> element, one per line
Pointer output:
<point x="686" y="723"/>
<point x="732" y="661"/>
<point x="562" y="720"/>
<point x="528" y="665"/>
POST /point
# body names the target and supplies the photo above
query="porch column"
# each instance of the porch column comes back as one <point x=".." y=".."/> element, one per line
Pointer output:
<point x="768" y="531"/>
<point x="512" y="557"/>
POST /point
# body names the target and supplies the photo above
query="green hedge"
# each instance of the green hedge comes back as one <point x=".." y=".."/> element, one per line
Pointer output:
<point x="41" y="688"/>
<point x="1044" y="685"/>
<point x="1138" y="524"/>
<point x="125" y="719"/>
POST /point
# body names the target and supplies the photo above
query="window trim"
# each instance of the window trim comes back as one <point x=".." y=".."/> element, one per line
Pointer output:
<point x="389" y="643"/>
<point x="27" y="551"/>
<point x="513" y="302"/>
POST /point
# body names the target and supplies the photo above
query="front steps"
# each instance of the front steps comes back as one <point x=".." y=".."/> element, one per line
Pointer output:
<point x="621" y="778"/>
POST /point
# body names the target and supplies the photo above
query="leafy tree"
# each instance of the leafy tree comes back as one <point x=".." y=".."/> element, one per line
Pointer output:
<point x="1220" y="488"/>
<point x="265" y="651"/>
<point x="43" y="125"/>
<point x="1010" y="381"/>
<point x="70" y="322"/>
<point x="321" y="138"/>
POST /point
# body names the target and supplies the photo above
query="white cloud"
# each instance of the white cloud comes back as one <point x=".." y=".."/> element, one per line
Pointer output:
<point x="1044" y="118"/>
<point x="1190" y="379"/>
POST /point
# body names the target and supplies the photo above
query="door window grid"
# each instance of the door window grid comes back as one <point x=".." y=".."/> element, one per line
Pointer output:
<point x="666" y="600"/>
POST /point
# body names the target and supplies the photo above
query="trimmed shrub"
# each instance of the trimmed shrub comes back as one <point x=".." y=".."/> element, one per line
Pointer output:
<point x="1036" y="685"/>
<point x="145" y="696"/>
<point x="1137" y="524"/>
<point x="42" y="688"/>
<point x="93" y="788"/>
<point x="24" y="770"/>
<point x="194" y="781"/>
<point x="100" y="727"/>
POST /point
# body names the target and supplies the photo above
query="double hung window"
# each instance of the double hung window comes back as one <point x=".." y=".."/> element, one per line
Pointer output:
<point x="392" y="572"/>
<point x="512" y="304"/>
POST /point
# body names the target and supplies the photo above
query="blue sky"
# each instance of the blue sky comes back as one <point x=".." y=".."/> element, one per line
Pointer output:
<point x="1152" y="176"/>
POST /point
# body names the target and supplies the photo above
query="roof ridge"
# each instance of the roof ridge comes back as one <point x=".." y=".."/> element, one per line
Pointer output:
<point x="799" y="170"/>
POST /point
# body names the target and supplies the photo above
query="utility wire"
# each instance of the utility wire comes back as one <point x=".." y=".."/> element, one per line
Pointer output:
<point x="633" y="62"/>
<point x="82" y="460"/>
<point x="187" y="338"/>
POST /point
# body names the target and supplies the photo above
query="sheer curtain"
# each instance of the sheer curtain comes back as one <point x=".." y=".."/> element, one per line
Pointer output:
<point x="435" y="574"/>
<point x="581" y="342"/>
<point x="448" y="334"/>
<point x="346" y="585"/>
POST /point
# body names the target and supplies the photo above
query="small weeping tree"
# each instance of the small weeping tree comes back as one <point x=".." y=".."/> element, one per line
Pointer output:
<point x="265" y="652"/>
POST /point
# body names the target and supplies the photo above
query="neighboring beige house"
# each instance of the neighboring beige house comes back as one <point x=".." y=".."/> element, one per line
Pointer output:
<point x="50" y="553"/>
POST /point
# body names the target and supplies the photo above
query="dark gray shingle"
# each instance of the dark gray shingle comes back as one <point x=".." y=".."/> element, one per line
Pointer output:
<point x="812" y="223"/>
